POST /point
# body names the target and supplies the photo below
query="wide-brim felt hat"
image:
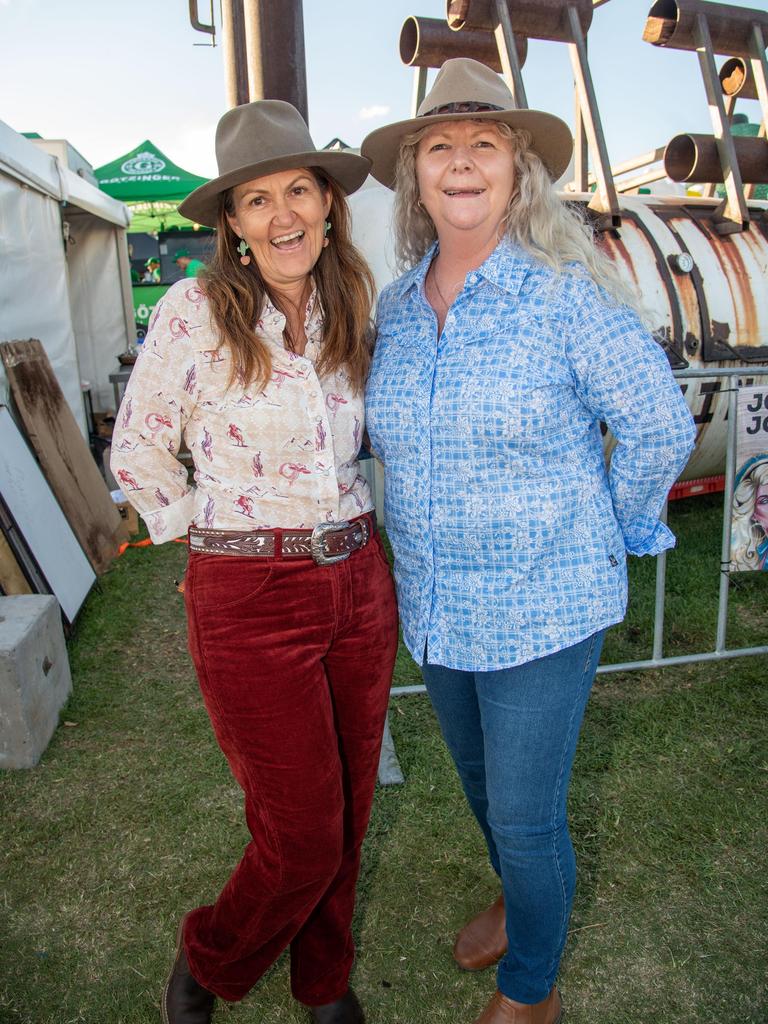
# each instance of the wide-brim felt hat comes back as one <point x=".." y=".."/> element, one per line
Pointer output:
<point x="259" y="138"/>
<point x="465" y="88"/>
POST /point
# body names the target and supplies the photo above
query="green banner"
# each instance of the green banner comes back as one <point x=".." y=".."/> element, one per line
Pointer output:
<point x="145" y="298"/>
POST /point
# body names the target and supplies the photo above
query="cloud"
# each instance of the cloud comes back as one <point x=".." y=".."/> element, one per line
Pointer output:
<point x="377" y="110"/>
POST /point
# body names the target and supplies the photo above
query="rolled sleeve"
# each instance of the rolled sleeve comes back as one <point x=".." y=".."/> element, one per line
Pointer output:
<point x="623" y="377"/>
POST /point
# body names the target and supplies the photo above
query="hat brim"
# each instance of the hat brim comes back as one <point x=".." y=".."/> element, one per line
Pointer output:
<point x="552" y="139"/>
<point x="348" y="170"/>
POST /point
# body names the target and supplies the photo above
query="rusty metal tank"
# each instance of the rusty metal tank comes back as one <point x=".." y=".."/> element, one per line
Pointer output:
<point x="705" y="295"/>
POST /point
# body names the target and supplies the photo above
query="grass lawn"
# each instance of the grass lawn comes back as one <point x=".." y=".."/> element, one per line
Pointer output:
<point x="132" y="817"/>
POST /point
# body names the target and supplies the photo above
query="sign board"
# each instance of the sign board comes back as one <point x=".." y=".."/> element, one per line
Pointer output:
<point x="749" y="507"/>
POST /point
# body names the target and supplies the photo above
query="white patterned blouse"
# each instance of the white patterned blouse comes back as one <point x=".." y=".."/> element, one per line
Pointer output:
<point x="284" y="456"/>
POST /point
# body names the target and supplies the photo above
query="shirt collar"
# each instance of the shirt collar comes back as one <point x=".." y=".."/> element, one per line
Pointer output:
<point x="415" y="276"/>
<point x="506" y="267"/>
<point x="272" y="321"/>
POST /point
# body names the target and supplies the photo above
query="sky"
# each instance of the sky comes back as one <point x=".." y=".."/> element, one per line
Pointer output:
<point x="105" y="75"/>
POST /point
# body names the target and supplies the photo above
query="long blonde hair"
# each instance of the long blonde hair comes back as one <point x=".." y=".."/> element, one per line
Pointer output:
<point x="345" y="288"/>
<point x="552" y="231"/>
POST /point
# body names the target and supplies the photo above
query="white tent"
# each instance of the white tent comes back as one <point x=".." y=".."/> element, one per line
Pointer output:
<point x="64" y="270"/>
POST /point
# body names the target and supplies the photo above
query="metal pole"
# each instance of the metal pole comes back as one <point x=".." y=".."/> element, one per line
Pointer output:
<point x="760" y="73"/>
<point x="419" y="89"/>
<point x="233" y="45"/>
<point x="725" y="551"/>
<point x="759" y="66"/>
<point x="580" y="150"/>
<point x="633" y="666"/>
<point x="507" y="46"/>
<point x="729" y="105"/>
<point x="736" y="215"/>
<point x="274" y="32"/>
<point x="605" y="200"/>
<point x="658" y="613"/>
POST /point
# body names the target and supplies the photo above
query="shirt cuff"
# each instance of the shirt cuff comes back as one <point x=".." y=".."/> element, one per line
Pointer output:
<point x="170" y="521"/>
<point x="659" y="539"/>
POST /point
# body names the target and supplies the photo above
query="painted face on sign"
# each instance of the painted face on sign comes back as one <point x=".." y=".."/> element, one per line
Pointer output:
<point x="760" y="515"/>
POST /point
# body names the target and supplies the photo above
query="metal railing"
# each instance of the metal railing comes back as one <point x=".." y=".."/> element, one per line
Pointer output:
<point x="720" y="652"/>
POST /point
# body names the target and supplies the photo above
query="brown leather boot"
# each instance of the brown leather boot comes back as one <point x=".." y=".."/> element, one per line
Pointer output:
<point x="184" y="1000"/>
<point x="501" y="1010"/>
<point x="483" y="940"/>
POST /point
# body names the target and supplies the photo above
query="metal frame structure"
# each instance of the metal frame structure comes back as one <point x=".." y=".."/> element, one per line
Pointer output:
<point x="720" y="652"/>
<point x="707" y="28"/>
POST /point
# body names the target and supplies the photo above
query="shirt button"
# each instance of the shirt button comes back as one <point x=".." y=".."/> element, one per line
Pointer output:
<point x="472" y="278"/>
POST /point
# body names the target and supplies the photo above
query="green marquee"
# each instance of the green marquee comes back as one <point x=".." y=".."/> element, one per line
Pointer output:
<point x="151" y="184"/>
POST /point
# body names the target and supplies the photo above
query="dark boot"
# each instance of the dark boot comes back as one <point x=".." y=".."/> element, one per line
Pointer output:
<point x="184" y="1000"/>
<point x="346" y="1010"/>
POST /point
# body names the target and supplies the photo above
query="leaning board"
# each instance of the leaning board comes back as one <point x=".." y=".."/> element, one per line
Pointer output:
<point x="42" y="523"/>
<point x="12" y="579"/>
<point x="63" y="452"/>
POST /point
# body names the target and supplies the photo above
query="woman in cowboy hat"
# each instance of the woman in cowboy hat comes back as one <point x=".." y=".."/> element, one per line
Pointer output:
<point x="499" y="353"/>
<point x="259" y="366"/>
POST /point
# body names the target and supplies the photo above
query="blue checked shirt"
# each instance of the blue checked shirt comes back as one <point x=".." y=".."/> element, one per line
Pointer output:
<point x="509" y="534"/>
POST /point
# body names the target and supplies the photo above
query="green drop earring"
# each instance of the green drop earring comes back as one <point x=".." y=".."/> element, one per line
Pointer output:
<point x="243" y="248"/>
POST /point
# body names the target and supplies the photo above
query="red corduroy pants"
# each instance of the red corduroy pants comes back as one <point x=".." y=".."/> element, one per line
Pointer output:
<point x="294" y="662"/>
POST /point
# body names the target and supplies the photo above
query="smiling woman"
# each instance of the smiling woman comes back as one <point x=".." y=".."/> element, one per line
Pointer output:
<point x="499" y="352"/>
<point x="259" y="365"/>
<point x="281" y="218"/>
<point x="465" y="176"/>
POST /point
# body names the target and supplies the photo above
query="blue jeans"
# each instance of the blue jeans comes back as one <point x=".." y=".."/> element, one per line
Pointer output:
<point x="513" y="734"/>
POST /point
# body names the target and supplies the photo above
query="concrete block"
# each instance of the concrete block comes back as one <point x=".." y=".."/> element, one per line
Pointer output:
<point x="35" y="680"/>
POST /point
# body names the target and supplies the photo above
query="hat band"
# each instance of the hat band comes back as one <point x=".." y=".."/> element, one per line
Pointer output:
<point x="461" y="107"/>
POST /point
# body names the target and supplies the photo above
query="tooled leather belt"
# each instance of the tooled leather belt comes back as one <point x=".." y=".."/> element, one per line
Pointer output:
<point x="326" y="544"/>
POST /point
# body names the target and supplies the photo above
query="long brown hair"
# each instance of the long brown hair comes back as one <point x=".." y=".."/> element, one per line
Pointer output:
<point x="345" y="288"/>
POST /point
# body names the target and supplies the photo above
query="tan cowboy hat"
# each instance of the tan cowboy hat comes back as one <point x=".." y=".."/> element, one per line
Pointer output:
<point x="260" y="138"/>
<point x="465" y="88"/>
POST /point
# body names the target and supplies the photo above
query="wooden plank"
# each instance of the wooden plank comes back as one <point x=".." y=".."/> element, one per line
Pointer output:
<point x="62" y="451"/>
<point x="12" y="579"/>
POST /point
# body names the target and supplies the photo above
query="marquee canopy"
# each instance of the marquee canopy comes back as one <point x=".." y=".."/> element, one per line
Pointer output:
<point x="151" y="183"/>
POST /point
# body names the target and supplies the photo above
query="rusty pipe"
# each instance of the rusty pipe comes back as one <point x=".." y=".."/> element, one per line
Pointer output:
<point x="672" y="23"/>
<point x="428" y="42"/>
<point x="695" y="158"/>
<point x="536" y="19"/>
<point x="737" y="79"/>
<point x="277" y="70"/>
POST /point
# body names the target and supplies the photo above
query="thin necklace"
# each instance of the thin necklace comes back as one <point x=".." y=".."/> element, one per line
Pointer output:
<point x="439" y="290"/>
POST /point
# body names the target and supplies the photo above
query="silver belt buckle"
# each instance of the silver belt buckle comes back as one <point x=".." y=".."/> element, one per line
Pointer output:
<point x="317" y="543"/>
